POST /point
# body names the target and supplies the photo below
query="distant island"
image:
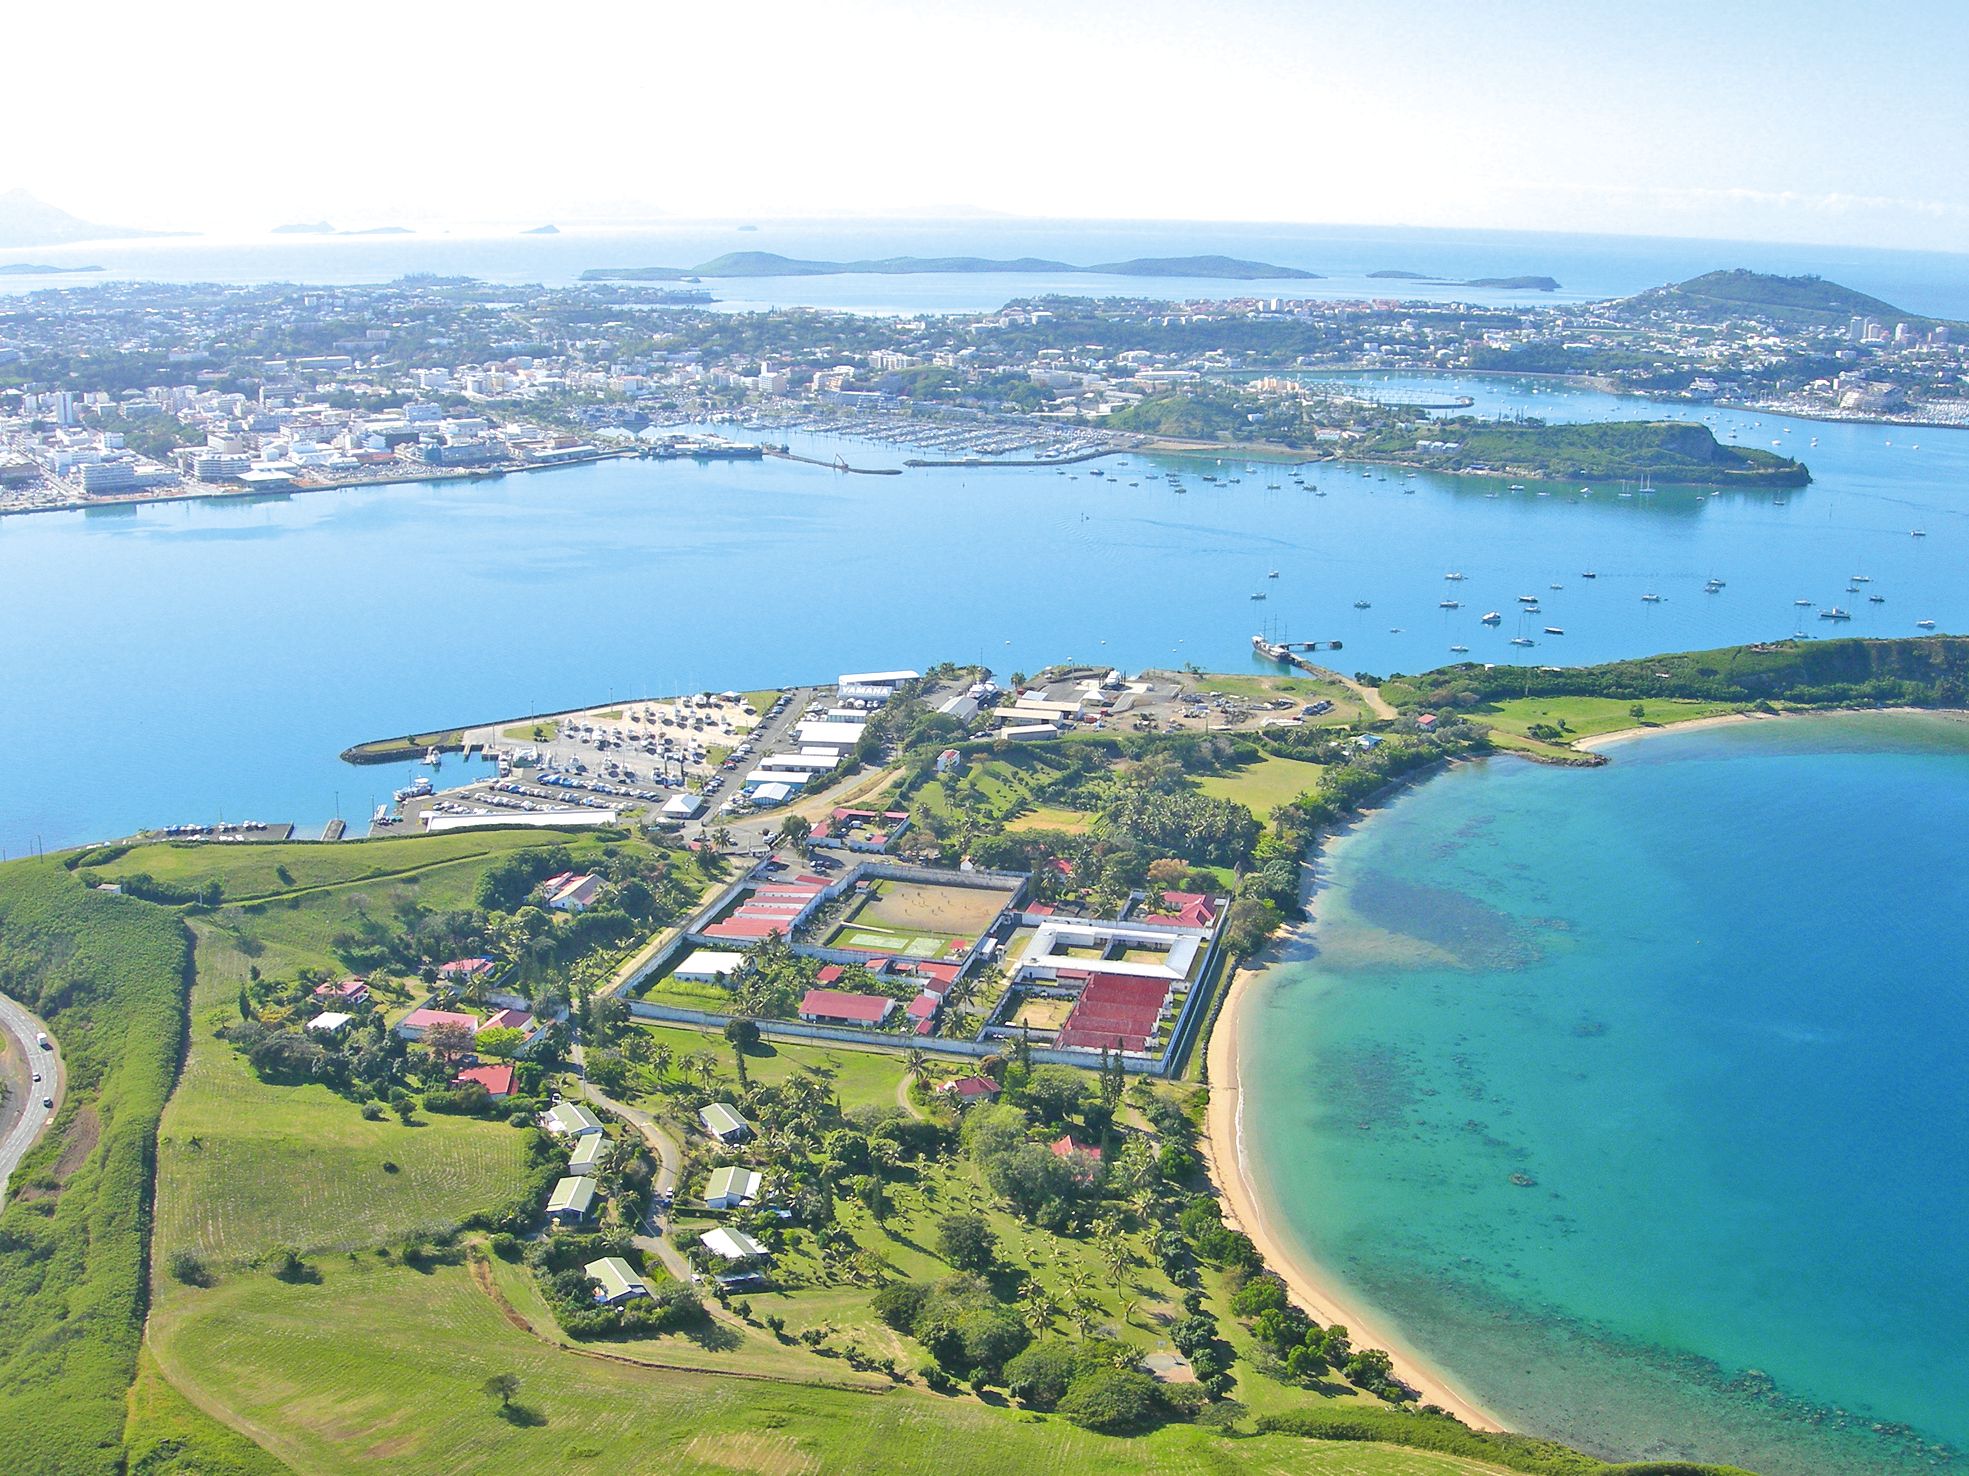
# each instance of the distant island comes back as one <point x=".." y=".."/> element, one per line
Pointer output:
<point x="1671" y="452"/>
<point x="549" y="229"/>
<point x="41" y="269"/>
<point x="324" y="228"/>
<point x="1509" y="284"/>
<point x="1800" y="301"/>
<point x="28" y="221"/>
<point x="770" y="264"/>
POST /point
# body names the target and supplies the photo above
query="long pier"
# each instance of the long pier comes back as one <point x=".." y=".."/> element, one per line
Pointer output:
<point x="1026" y="461"/>
<point x="837" y="464"/>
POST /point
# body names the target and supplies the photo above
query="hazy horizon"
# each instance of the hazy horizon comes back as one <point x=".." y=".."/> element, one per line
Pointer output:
<point x="1674" y="120"/>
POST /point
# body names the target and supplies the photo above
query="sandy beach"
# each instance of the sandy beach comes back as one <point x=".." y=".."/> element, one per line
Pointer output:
<point x="1322" y="1296"/>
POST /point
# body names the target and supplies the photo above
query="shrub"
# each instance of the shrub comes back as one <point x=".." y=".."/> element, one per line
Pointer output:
<point x="1111" y="1401"/>
<point x="189" y="1269"/>
<point x="1040" y="1377"/>
<point x="966" y="1242"/>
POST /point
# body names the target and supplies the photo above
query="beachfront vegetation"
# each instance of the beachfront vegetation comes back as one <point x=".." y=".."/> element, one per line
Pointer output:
<point x="1928" y="671"/>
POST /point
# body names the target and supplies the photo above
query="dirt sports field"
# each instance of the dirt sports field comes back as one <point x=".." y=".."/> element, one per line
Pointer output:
<point x="918" y="907"/>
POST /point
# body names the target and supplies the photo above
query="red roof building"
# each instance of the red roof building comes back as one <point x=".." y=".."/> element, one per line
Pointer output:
<point x="419" y="1022"/>
<point x="518" y="1020"/>
<point x="970" y="1088"/>
<point x="834" y="1007"/>
<point x="465" y="968"/>
<point x="497" y="1079"/>
<point x="348" y="991"/>
<point x="1191" y="909"/>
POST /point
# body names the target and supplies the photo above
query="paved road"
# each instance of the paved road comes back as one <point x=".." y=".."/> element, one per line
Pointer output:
<point x="26" y="1126"/>
<point x="670" y="1158"/>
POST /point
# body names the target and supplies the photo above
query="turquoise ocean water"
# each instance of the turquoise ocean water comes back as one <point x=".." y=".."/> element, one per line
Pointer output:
<point x="1634" y="1095"/>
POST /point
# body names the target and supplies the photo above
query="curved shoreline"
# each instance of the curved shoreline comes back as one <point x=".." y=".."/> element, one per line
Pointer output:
<point x="1320" y="1292"/>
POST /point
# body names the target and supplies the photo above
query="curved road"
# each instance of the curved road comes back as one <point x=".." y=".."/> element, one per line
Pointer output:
<point x="23" y="1113"/>
<point x="669" y="1157"/>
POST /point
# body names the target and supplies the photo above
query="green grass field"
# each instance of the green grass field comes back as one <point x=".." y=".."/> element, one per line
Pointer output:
<point x="1052" y="817"/>
<point x="1587" y="717"/>
<point x="245" y="1166"/>
<point x="377" y="1366"/>
<point x="877" y="939"/>
<point x="247" y="872"/>
<point x="859" y="1078"/>
<point x="1264" y="786"/>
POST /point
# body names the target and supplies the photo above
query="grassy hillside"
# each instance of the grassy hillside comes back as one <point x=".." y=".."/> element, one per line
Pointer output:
<point x="1802" y="300"/>
<point x="107" y="973"/>
<point x="1669" y="451"/>
<point x="245" y="1166"/>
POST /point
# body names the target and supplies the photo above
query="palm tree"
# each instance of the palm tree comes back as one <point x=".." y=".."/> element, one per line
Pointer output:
<point x="660" y="1057"/>
<point x="915" y="1063"/>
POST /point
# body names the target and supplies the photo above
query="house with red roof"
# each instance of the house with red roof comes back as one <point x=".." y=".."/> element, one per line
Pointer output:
<point x="970" y="1089"/>
<point x="571" y="891"/>
<point x="497" y="1079"/>
<point x="835" y="1007"/>
<point x="1065" y="1147"/>
<point x="346" y="991"/>
<point x="1188" y="909"/>
<point x="419" y="1022"/>
<point x="923" y="1010"/>
<point x="460" y="970"/>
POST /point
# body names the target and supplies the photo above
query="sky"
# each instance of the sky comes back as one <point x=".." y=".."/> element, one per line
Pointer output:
<point x="1737" y="119"/>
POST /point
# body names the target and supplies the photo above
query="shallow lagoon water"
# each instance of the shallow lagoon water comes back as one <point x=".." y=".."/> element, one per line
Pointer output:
<point x="1633" y="1094"/>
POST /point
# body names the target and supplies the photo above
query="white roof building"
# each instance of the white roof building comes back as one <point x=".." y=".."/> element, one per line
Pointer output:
<point x="570" y="1119"/>
<point x="731" y="1188"/>
<point x="722" y="1121"/>
<point x="733" y="1245"/>
<point x="706" y="964"/>
<point x="619" y="1282"/>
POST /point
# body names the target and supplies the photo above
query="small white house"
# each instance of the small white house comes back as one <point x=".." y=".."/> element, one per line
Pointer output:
<point x="721" y="1121"/>
<point x="617" y="1281"/>
<point x="570" y="1120"/>
<point x="731" y="1188"/>
<point x="733" y="1245"/>
<point x="330" y="1022"/>
<point x="587" y="1155"/>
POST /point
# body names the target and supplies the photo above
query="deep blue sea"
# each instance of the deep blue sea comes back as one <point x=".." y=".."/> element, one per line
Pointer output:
<point x="1708" y="1001"/>
<point x="189" y="660"/>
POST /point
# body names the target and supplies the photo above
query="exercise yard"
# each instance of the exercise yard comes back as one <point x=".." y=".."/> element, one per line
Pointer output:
<point x="871" y="938"/>
<point x="1041" y="1013"/>
<point x="926" y="907"/>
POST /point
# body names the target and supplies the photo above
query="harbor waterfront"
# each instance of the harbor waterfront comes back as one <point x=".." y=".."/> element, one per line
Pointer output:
<point x="293" y="627"/>
<point x="1679" y="1134"/>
